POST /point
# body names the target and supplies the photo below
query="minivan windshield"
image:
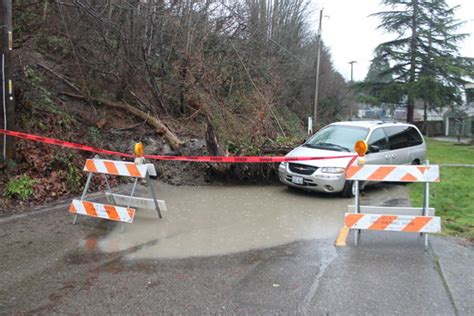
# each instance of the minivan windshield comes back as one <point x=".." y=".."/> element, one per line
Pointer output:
<point x="337" y="137"/>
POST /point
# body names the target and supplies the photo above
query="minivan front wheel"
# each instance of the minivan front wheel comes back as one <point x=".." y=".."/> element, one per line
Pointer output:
<point x="348" y="190"/>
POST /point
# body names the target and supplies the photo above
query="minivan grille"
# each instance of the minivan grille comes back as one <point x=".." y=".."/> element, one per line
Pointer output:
<point x="302" y="169"/>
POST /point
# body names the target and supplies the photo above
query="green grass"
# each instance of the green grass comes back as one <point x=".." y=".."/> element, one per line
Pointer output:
<point x="453" y="197"/>
<point x="448" y="152"/>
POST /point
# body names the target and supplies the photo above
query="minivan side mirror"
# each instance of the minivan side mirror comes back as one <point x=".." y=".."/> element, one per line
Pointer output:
<point x="374" y="149"/>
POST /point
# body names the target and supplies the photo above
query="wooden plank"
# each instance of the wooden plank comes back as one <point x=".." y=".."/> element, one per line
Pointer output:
<point x="138" y="202"/>
<point x="395" y="223"/>
<point x="105" y="211"/>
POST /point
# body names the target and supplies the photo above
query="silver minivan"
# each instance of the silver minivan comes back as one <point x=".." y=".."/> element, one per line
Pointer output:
<point x="390" y="143"/>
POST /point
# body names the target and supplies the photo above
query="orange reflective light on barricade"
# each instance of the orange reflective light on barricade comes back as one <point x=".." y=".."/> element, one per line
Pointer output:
<point x="138" y="150"/>
<point x="361" y="147"/>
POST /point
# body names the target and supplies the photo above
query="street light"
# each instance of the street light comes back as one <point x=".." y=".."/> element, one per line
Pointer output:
<point x="352" y="69"/>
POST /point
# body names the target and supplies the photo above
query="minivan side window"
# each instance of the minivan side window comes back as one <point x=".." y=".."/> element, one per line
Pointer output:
<point x="378" y="139"/>
<point x="402" y="136"/>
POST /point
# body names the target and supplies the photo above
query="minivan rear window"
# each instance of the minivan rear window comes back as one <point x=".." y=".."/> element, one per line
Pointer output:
<point x="337" y="137"/>
<point x="414" y="137"/>
<point x="402" y="136"/>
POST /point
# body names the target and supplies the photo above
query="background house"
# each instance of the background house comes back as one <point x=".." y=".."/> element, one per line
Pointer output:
<point x="434" y="125"/>
<point x="460" y="121"/>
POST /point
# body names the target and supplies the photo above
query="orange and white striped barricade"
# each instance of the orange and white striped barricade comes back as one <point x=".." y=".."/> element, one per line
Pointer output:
<point x="120" y="207"/>
<point x="400" y="219"/>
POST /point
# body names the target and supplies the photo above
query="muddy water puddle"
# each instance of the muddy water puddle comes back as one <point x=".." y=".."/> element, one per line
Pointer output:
<point x="218" y="220"/>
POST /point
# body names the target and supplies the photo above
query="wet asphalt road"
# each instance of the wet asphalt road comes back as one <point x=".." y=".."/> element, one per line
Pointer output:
<point x="48" y="266"/>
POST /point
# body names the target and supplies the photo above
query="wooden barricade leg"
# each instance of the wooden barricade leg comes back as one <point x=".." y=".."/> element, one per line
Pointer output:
<point x="83" y="196"/>
<point x="153" y="194"/>
<point x="357" y="232"/>
<point x="426" y="202"/>
<point x="110" y="197"/>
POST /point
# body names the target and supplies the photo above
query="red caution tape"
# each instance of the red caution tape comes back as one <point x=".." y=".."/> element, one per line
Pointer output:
<point x="62" y="143"/>
<point x="222" y="159"/>
<point x="243" y="159"/>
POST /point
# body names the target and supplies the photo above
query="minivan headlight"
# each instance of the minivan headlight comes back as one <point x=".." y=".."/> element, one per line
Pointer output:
<point x="332" y="170"/>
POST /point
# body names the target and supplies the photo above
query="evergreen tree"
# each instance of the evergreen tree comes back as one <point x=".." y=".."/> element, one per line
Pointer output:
<point x="424" y="58"/>
<point x="378" y="68"/>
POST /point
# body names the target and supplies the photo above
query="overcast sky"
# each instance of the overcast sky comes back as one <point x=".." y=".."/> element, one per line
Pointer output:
<point x="351" y="34"/>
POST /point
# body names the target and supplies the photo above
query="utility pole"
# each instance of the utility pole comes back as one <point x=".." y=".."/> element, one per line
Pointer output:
<point x="7" y="108"/>
<point x="352" y="70"/>
<point x="318" y="61"/>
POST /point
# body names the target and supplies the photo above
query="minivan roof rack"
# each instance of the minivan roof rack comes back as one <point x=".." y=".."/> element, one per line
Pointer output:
<point x="383" y="122"/>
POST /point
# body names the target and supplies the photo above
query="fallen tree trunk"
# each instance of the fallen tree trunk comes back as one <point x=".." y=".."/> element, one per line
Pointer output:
<point x="214" y="149"/>
<point x="212" y="143"/>
<point x="155" y="122"/>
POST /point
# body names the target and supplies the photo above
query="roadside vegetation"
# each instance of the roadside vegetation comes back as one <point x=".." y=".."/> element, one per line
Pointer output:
<point x="452" y="197"/>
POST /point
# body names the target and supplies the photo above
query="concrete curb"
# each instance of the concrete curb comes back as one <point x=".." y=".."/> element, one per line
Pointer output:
<point x="455" y="263"/>
<point x="442" y="275"/>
